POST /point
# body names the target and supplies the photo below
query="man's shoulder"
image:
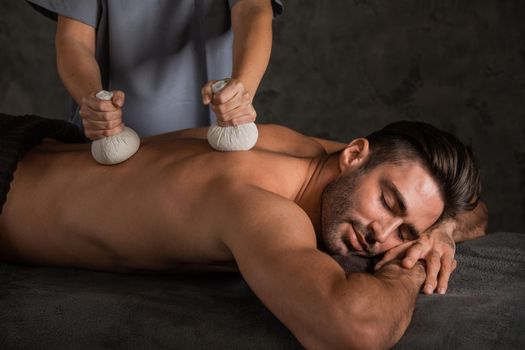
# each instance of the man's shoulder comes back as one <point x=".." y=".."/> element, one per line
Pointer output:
<point x="249" y="213"/>
<point x="285" y="140"/>
<point x="279" y="138"/>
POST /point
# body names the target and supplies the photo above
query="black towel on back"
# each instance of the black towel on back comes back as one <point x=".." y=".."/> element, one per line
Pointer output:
<point x="18" y="134"/>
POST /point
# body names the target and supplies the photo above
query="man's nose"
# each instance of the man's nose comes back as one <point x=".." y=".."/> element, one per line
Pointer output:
<point x="381" y="230"/>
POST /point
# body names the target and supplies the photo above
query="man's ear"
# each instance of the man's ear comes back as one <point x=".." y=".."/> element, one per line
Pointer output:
<point x="354" y="154"/>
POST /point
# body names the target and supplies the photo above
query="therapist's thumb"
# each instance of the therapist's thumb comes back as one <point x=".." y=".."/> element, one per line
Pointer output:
<point x="118" y="98"/>
<point x="207" y="92"/>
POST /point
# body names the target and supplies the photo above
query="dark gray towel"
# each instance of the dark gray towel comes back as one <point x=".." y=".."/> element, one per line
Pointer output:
<point x="484" y="307"/>
<point x="53" y="308"/>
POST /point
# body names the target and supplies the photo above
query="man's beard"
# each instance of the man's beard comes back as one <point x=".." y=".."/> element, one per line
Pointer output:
<point x="337" y="202"/>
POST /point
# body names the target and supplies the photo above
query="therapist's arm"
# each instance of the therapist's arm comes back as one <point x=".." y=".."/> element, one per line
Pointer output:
<point x="252" y="41"/>
<point x="251" y="22"/>
<point x="76" y="63"/>
<point x="80" y="74"/>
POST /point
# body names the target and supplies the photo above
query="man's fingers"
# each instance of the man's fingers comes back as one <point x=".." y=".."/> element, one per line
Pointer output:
<point x="433" y="266"/>
<point x="392" y="254"/>
<point x="389" y="256"/>
<point x="447" y="266"/>
<point x="417" y="251"/>
<point x="386" y="258"/>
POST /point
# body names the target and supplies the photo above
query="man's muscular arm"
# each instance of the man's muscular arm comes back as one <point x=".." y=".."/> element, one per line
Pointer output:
<point x="274" y="245"/>
<point x="470" y="224"/>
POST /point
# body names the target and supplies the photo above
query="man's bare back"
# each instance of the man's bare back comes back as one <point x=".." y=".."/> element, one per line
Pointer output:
<point x="159" y="210"/>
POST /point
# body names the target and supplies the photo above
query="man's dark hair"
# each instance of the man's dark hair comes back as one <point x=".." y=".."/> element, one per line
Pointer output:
<point x="450" y="162"/>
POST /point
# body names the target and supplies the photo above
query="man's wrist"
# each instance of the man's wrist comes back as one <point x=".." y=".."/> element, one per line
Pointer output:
<point x="394" y="270"/>
<point x="420" y="270"/>
<point x="448" y="227"/>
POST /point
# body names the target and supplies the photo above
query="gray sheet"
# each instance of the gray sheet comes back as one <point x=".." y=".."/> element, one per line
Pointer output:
<point x="44" y="308"/>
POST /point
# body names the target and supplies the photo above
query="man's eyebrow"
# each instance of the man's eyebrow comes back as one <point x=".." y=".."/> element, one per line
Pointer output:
<point x="402" y="206"/>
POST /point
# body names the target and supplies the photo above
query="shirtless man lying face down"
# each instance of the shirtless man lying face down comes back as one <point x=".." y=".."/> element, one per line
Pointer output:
<point x="408" y="189"/>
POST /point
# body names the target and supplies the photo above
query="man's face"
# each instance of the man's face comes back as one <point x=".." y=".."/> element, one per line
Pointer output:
<point x="368" y="212"/>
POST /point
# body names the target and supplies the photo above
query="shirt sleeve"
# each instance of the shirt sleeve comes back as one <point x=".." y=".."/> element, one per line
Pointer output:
<point x="85" y="11"/>
<point x="277" y="6"/>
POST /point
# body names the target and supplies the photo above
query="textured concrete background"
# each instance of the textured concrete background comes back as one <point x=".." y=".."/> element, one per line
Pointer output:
<point x="341" y="69"/>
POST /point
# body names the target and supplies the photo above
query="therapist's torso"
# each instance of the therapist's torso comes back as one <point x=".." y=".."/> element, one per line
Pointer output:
<point x="159" y="52"/>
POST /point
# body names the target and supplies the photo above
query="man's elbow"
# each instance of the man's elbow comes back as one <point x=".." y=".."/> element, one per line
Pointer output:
<point x="364" y="338"/>
<point x="354" y="326"/>
<point x="353" y="336"/>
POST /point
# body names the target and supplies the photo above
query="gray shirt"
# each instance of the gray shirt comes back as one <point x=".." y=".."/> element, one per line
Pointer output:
<point x="159" y="52"/>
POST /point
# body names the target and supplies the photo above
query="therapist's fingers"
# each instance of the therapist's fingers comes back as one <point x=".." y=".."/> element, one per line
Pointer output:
<point x="101" y="124"/>
<point x="118" y="98"/>
<point x="236" y="121"/>
<point x="98" y="105"/>
<point x="241" y="115"/>
<point x="94" y="131"/>
<point x="207" y="92"/>
<point x="233" y="88"/>
<point x="238" y="100"/>
<point x="93" y="115"/>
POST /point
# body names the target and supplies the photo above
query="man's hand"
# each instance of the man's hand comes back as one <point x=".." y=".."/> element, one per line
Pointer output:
<point x="437" y="248"/>
<point x="102" y="118"/>
<point x="232" y="105"/>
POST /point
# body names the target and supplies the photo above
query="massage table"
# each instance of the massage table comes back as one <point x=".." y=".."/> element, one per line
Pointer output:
<point x="65" y="308"/>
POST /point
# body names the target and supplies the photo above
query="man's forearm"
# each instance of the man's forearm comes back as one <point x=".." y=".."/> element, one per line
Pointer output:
<point x="252" y="41"/>
<point x="471" y="224"/>
<point x="383" y="303"/>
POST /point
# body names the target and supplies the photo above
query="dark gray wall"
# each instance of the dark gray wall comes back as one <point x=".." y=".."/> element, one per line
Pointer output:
<point x="341" y="69"/>
<point x="29" y="81"/>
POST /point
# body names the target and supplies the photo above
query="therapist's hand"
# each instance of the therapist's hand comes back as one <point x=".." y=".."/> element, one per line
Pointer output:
<point x="102" y="118"/>
<point x="232" y="105"/>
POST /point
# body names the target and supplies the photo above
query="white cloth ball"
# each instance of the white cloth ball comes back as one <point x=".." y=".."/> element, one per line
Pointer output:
<point x="117" y="148"/>
<point x="233" y="138"/>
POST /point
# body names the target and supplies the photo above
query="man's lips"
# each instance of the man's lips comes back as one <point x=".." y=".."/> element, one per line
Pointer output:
<point x="362" y="241"/>
<point x="355" y="239"/>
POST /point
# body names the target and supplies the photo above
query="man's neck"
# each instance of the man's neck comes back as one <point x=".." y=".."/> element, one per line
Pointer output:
<point x="321" y="172"/>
